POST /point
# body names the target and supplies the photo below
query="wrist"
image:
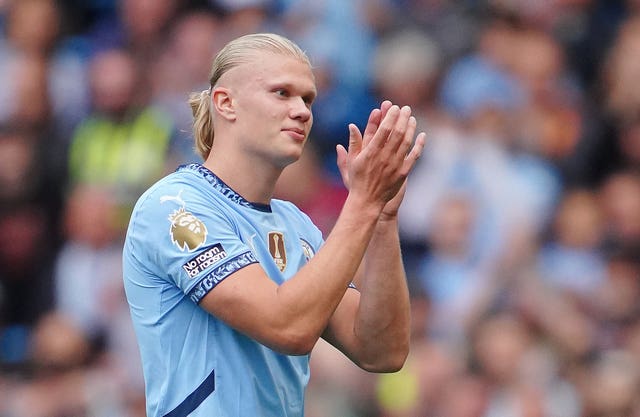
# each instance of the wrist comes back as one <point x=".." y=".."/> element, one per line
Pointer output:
<point x="387" y="222"/>
<point x="364" y="208"/>
<point x="388" y="218"/>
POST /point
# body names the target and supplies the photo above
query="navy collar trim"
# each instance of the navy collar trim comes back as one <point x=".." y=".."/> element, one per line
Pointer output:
<point x="222" y="187"/>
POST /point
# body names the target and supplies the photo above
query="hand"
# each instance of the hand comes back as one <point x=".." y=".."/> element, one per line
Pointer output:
<point x="390" y="210"/>
<point x="357" y="141"/>
<point x="404" y="130"/>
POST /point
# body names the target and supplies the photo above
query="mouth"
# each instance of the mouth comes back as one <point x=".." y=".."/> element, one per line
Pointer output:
<point x="296" y="133"/>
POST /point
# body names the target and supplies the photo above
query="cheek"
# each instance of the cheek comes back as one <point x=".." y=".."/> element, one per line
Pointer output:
<point x="277" y="114"/>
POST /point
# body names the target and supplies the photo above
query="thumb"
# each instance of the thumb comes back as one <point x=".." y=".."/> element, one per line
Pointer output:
<point x="342" y="164"/>
<point x="355" y="140"/>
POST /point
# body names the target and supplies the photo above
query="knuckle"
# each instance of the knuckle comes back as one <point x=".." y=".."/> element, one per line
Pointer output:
<point x="385" y="130"/>
<point x="401" y="131"/>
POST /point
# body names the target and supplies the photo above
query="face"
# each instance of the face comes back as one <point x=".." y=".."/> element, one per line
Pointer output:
<point x="271" y="98"/>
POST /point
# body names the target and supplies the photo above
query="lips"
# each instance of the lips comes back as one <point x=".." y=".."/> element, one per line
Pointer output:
<point x="296" y="132"/>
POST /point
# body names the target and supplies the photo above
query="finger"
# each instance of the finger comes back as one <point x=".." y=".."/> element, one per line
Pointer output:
<point x="403" y="147"/>
<point x="415" y="153"/>
<point x="408" y="141"/>
<point x="402" y="134"/>
<point x="386" y="127"/>
<point x="384" y="107"/>
<point x="372" y="126"/>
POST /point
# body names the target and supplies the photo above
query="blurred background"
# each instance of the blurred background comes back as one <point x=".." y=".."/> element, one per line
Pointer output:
<point x="520" y="227"/>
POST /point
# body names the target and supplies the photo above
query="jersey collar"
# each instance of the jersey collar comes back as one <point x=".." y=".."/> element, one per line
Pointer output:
<point x="222" y="187"/>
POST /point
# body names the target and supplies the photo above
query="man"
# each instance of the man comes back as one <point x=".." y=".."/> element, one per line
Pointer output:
<point x="230" y="289"/>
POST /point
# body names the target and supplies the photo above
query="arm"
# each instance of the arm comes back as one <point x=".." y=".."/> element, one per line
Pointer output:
<point x="373" y="328"/>
<point x="291" y="317"/>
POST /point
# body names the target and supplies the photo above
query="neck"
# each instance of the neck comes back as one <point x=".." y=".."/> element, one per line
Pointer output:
<point x="253" y="181"/>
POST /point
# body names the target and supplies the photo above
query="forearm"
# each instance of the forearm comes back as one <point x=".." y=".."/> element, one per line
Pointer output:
<point x="382" y="323"/>
<point x="312" y="295"/>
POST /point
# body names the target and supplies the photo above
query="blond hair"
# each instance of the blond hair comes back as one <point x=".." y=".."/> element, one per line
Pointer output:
<point x="234" y="53"/>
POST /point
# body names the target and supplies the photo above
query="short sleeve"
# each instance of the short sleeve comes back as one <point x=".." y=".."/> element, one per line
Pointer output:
<point x="187" y="239"/>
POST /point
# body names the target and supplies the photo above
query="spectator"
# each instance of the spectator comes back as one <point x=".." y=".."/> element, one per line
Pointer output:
<point x="192" y="42"/>
<point x="124" y="142"/>
<point x="66" y="379"/>
<point x="572" y="260"/>
<point x="52" y="91"/>
<point x="505" y="353"/>
<point x="620" y="199"/>
<point x="28" y="240"/>
<point x="615" y="381"/>
<point x="88" y="273"/>
<point x="452" y="275"/>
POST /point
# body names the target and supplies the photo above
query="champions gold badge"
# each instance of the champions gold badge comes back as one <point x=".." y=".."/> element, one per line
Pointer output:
<point x="277" y="251"/>
<point x="187" y="231"/>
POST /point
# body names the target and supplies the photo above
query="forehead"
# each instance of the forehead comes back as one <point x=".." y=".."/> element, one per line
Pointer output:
<point x="264" y="67"/>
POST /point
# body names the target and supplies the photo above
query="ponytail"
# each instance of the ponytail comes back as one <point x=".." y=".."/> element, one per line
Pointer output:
<point x="202" y="122"/>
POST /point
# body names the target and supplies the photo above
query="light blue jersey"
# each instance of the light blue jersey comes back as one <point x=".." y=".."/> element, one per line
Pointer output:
<point x="187" y="233"/>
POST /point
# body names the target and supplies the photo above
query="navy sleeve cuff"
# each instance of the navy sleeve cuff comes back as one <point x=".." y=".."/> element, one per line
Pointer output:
<point x="214" y="277"/>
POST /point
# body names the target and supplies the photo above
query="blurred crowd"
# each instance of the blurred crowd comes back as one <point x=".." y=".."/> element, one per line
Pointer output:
<point x="520" y="227"/>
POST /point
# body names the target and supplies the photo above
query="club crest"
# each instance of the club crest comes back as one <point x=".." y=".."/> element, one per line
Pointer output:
<point x="277" y="250"/>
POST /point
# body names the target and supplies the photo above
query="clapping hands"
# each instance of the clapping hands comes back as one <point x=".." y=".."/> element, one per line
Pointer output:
<point x="378" y="161"/>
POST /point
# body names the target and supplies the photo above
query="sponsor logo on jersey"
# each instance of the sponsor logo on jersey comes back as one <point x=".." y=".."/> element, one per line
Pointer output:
<point x="187" y="231"/>
<point x="277" y="250"/>
<point x="204" y="260"/>
<point x="307" y="249"/>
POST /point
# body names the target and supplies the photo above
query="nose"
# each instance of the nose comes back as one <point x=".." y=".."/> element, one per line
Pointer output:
<point x="300" y="110"/>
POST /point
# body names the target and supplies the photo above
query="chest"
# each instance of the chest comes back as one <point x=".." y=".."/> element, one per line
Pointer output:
<point x="281" y="245"/>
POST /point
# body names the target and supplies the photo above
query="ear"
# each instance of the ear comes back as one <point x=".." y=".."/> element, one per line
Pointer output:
<point x="222" y="102"/>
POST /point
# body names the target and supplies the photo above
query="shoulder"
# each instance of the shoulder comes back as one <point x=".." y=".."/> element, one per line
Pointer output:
<point x="173" y="187"/>
<point x="173" y="219"/>
<point x="180" y="191"/>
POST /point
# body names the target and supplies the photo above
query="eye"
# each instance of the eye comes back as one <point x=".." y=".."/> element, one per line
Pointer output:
<point x="282" y="92"/>
<point x="308" y="100"/>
